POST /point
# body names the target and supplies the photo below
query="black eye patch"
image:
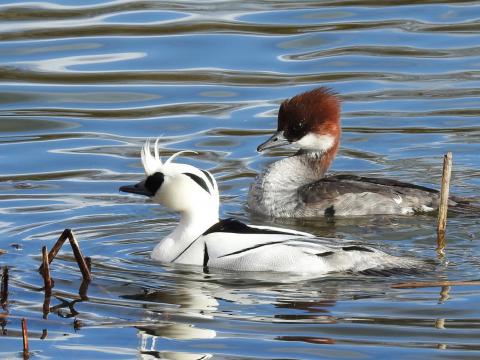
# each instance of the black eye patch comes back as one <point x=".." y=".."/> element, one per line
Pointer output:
<point x="198" y="180"/>
<point x="154" y="182"/>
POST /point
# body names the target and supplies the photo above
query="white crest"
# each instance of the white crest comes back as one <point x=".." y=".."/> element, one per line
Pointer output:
<point x="153" y="163"/>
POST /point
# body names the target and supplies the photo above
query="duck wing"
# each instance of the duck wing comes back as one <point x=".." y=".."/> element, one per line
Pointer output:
<point x="347" y="194"/>
<point x="334" y="185"/>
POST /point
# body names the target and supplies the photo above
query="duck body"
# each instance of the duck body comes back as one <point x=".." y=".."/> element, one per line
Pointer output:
<point x="201" y="239"/>
<point x="299" y="186"/>
<point x="278" y="195"/>
<point x="232" y="245"/>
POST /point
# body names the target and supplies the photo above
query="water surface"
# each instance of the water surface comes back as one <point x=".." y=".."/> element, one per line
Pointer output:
<point x="83" y="84"/>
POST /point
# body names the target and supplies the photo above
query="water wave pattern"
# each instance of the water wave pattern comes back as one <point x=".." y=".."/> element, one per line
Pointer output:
<point x="84" y="83"/>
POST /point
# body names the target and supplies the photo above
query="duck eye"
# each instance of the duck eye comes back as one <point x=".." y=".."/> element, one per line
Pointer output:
<point x="154" y="182"/>
<point x="297" y="129"/>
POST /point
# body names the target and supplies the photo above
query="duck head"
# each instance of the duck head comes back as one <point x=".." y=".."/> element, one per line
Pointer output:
<point x="310" y="120"/>
<point x="179" y="187"/>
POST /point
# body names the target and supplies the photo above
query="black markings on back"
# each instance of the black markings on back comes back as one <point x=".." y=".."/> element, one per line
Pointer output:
<point x="154" y="182"/>
<point x="356" y="248"/>
<point x="237" y="227"/>
<point x="210" y="178"/>
<point x="326" y="253"/>
<point x="198" y="180"/>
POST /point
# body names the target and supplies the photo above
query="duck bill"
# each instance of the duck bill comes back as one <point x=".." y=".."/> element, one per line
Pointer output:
<point x="138" y="189"/>
<point x="277" y="139"/>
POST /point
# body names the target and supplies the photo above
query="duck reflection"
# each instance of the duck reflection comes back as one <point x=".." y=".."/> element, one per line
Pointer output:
<point x="194" y="303"/>
<point x="188" y="305"/>
<point x="201" y="299"/>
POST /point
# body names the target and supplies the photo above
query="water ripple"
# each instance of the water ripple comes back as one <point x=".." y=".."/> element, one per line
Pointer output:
<point x="83" y="84"/>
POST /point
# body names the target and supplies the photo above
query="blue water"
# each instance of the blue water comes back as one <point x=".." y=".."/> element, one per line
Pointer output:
<point x="84" y="83"/>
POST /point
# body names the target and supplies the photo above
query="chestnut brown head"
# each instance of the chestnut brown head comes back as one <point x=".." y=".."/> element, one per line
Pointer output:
<point x="310" y="120"/>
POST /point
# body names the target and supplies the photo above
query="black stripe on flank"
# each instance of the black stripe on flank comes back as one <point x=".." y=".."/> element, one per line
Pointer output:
<point x="183" y="251"/>
<point x="356" y="248"/>
<point x="205" y="256"/>
<point x="198" y="180"/>
<point x="237" y="227"/>
<point x="326" y="253"/>
<point x="210" y="178"/>
<point x="251" y="248"/>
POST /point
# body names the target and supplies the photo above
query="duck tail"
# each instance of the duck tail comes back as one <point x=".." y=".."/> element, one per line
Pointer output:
<point x="464" y="206"/>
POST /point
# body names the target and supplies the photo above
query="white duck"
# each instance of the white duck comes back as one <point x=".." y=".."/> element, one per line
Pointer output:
<point x="201" y="239"/>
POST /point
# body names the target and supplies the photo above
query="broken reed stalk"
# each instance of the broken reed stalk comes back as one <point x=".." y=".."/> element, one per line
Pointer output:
<point x="46" y="305"/>
<point x="47" y="279"/>
<point x="25" y="338"/>
<point x="4" y="287"/>
<point x="424" y="284"/>
<point x="82" y="264"/>
<point x="56" y="248"/>
<point x="443" y="205"/>
<point x="82" y="290"/>
<point x="88" y="261"/>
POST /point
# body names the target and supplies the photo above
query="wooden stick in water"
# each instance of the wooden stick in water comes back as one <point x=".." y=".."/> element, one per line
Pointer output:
<point x="46" y="305"/>
<point x="424" y="284"/>
<point x="47" y="279"/>
<point x="82" y="264"/>
<point x="88" y="261"/>
<point x="443" y="206"/>
<point x="4" y="287"/>
<point x="25" y="339"/>
<point x="56" y="248"/>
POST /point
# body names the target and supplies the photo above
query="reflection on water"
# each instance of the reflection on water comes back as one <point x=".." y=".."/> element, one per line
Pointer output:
<point x="83" y="84"/>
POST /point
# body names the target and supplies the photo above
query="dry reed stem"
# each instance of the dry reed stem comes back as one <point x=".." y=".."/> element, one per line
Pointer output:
<point x="82" y="263"/>
<point x="47" y="278"/>
<point x="88" y="261"/>
<point x="423" y="284"/>
<point x="82" y="290"/>
<point x="25" y="339"/>
<point x="443" y="205"/>
<point x="4" y="287"/>
<point x="46" y="306"/>
<point x="56" y="248"/>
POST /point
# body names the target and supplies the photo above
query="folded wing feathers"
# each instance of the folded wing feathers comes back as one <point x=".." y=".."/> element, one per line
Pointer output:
<point x="337" y="258"/>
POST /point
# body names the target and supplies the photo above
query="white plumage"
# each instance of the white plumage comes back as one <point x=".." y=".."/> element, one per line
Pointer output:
<point x="201" y="239"/>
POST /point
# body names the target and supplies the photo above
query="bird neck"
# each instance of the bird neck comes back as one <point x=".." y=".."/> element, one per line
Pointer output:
<point x="192" y="224"/>
<point x="300" y="169"/>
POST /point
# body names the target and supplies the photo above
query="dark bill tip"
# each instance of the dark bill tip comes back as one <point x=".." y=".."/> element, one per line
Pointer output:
<point x="277" y="139"/>
<point x="138" y="189"/>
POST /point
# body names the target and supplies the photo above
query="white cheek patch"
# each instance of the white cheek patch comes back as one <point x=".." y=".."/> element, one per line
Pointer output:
<point x="316" y="142"/>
